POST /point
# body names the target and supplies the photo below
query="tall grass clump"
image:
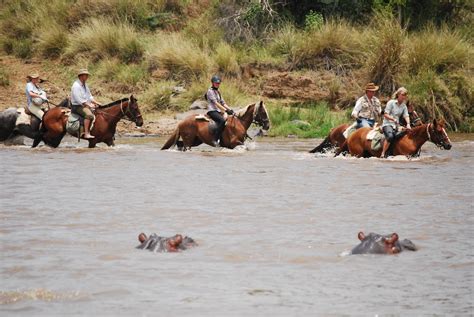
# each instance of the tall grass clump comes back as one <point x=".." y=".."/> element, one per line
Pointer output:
<point x="101" y="39"/>
<point x="183" y="58"/>
<point x="287" y="42"/>
<point x="334" y="46"/>
<point x="384" y="57"/>
<point x="52" y="40"/>
<point x="440" y="50"/>
<point x="123" y="78"/>
<point x="158" y="96"/>
<point x="225" y="58"/>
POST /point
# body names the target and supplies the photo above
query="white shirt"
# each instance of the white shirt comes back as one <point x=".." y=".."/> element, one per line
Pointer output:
<point x="80" y="93"/>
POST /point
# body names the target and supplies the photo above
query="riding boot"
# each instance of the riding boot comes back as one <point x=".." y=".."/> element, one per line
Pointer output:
<point x="87" y="125"/>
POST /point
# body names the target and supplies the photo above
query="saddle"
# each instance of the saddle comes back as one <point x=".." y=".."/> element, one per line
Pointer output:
<point x="75" y="123"/>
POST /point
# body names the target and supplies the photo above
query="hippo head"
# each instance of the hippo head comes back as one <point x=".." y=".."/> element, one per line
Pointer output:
<point x="374" y="243"/>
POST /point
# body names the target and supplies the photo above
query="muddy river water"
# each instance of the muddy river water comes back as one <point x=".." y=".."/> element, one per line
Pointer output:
<point x="273" y="225"/>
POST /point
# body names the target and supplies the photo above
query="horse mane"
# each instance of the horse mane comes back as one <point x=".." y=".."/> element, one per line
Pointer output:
<point x="113" y="103"/>
<point x="241" y="112"/>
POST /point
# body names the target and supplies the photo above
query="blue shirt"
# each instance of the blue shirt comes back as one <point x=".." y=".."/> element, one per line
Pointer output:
<point x="394" y="110"/>
<point x="30" y="87"/>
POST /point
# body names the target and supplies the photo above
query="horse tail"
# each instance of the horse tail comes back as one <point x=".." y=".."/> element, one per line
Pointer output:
<point x="326" y="144"/>
<point x="172" y="140"/>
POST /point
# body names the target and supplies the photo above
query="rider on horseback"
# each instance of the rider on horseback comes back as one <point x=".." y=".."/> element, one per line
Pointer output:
<point x="216" y="106"/>
<point x="82" y="101"/>
<point x="415" y="119"/>
<point x="367" y="108"/>
<point x="393" y="111"/>
<point x="35" y="96"/>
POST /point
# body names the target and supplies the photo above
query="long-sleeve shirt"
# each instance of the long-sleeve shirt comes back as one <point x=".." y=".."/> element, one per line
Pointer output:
<point x="368" y="109"/>
<point x="394" y="110"/>
<point x="214" y="97"/>
<point x="80" y="93"/>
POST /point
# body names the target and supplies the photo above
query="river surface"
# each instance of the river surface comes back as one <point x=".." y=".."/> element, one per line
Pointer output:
<point x="274" y="225"/>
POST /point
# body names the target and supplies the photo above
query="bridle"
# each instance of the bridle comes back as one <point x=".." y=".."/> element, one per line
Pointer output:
<point x="257" y="120"/>
<point x="437" y="143"/>
<point x="129" y="112"/>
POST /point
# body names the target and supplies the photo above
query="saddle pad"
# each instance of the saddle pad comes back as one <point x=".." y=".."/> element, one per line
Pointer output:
<point x="372" y="134"/>
<point x="201" y="117"/>
<point x="75" y="122"/>
<point x="377" y="139"/>
<point x="349" y="130"/>
<point x="23" y="117"/>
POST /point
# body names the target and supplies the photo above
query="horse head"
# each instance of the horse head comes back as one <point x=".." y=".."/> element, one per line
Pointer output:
<point x="437" y="134"/>
<point x="261" y="117"/>
<point x="133" y="112"/>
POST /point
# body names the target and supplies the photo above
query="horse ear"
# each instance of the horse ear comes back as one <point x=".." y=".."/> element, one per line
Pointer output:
<point x="361" y="236"/>
<point x="261" y="103"/>
<point x="435" y="122"/>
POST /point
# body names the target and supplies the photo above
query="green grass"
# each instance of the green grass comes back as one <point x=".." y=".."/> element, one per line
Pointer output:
<point x="304" y="121"/>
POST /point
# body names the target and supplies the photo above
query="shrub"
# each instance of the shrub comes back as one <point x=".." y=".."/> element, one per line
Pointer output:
<point x="179" y="55"/>
<point x="122" y="77"/>
<point x="313" y="21"/>
<point x="102" y="38"/>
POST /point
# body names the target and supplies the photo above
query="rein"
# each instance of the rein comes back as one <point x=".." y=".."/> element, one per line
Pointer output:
<point x="124" y="113"/>
<point x="428" y="132"/>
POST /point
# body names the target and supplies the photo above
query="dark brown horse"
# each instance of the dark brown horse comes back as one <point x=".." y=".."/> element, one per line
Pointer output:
<point x="194" y="132"/>
<point x="408" y="145"/>
<point x="107" y="117"/>
<point x="335" y="139"/>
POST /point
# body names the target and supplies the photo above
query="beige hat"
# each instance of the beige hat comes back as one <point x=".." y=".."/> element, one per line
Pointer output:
<point x="371" y="87"/>
<point x="83" y="71"/>
<point x="33" y="75"/>
<point x="401" y="90"/>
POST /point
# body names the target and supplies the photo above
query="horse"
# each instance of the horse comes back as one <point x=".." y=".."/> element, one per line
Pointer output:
<point x="194" y="131"/>
<point x="409" y="144"/>
<point x="54" y="122"/>
<point x="335" y="139"/>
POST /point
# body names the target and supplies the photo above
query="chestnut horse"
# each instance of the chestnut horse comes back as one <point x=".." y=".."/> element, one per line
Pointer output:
<point x="408" y="145"/>
<point x="335" y="139"/>
<point x="54" y="122"/>
<point x="194" y="132"/>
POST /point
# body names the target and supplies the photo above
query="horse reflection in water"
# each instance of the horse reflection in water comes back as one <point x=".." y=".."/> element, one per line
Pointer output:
<point x="155" y="243"/>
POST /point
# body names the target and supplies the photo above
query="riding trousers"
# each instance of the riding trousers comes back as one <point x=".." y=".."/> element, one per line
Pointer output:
<point x="36" y="111"/>
<point x="84" y="112"/>
<point x="389" y="133"/>
<point x="220" y="121"/>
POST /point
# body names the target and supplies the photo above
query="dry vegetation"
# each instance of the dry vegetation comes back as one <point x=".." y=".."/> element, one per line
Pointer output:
<point x="151" y="47"/>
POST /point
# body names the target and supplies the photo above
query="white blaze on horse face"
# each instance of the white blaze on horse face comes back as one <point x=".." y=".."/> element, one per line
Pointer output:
<point x="446" y="135"/>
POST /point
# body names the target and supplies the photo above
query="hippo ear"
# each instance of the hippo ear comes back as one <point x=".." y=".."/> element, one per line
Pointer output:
<point x="361" y="236"/>
<point x="393" y="239"/>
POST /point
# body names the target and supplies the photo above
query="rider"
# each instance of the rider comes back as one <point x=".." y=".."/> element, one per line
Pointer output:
<point x="415" y="119"/>
<point x="35" y="96"/>
<point x="395" y="108"/>
<point x="82" y="101"/>
<point x="367" y="108"/>
<point x="216" y="106"/>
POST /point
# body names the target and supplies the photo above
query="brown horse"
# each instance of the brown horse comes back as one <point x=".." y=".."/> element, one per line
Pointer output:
<point x="409" y="144"/>
<point x="107" y="117"/>
<point x="194" y="132"/>
<point x="335" y="139"/>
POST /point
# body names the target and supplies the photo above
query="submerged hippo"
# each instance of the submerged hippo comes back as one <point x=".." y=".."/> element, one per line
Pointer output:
<point x="156" y="243"/>
<point x="381" y="244"/>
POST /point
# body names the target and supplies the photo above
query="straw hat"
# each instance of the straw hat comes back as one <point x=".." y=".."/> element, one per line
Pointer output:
<point x="33" y="75"/>
<point x="83" y="71"/>
<point x="371" y="87"/>
<point x="401" y="90"/>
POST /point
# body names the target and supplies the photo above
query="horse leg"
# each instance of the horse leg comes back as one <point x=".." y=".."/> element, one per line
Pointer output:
<point x="110" y="142"/>
<point x="92" y="143"/>
<point x="326" y="144"/>
<point x="343" y="149"/>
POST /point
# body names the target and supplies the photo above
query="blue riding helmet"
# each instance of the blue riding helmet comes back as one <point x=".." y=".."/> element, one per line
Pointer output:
<point x="216" y="79"/>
